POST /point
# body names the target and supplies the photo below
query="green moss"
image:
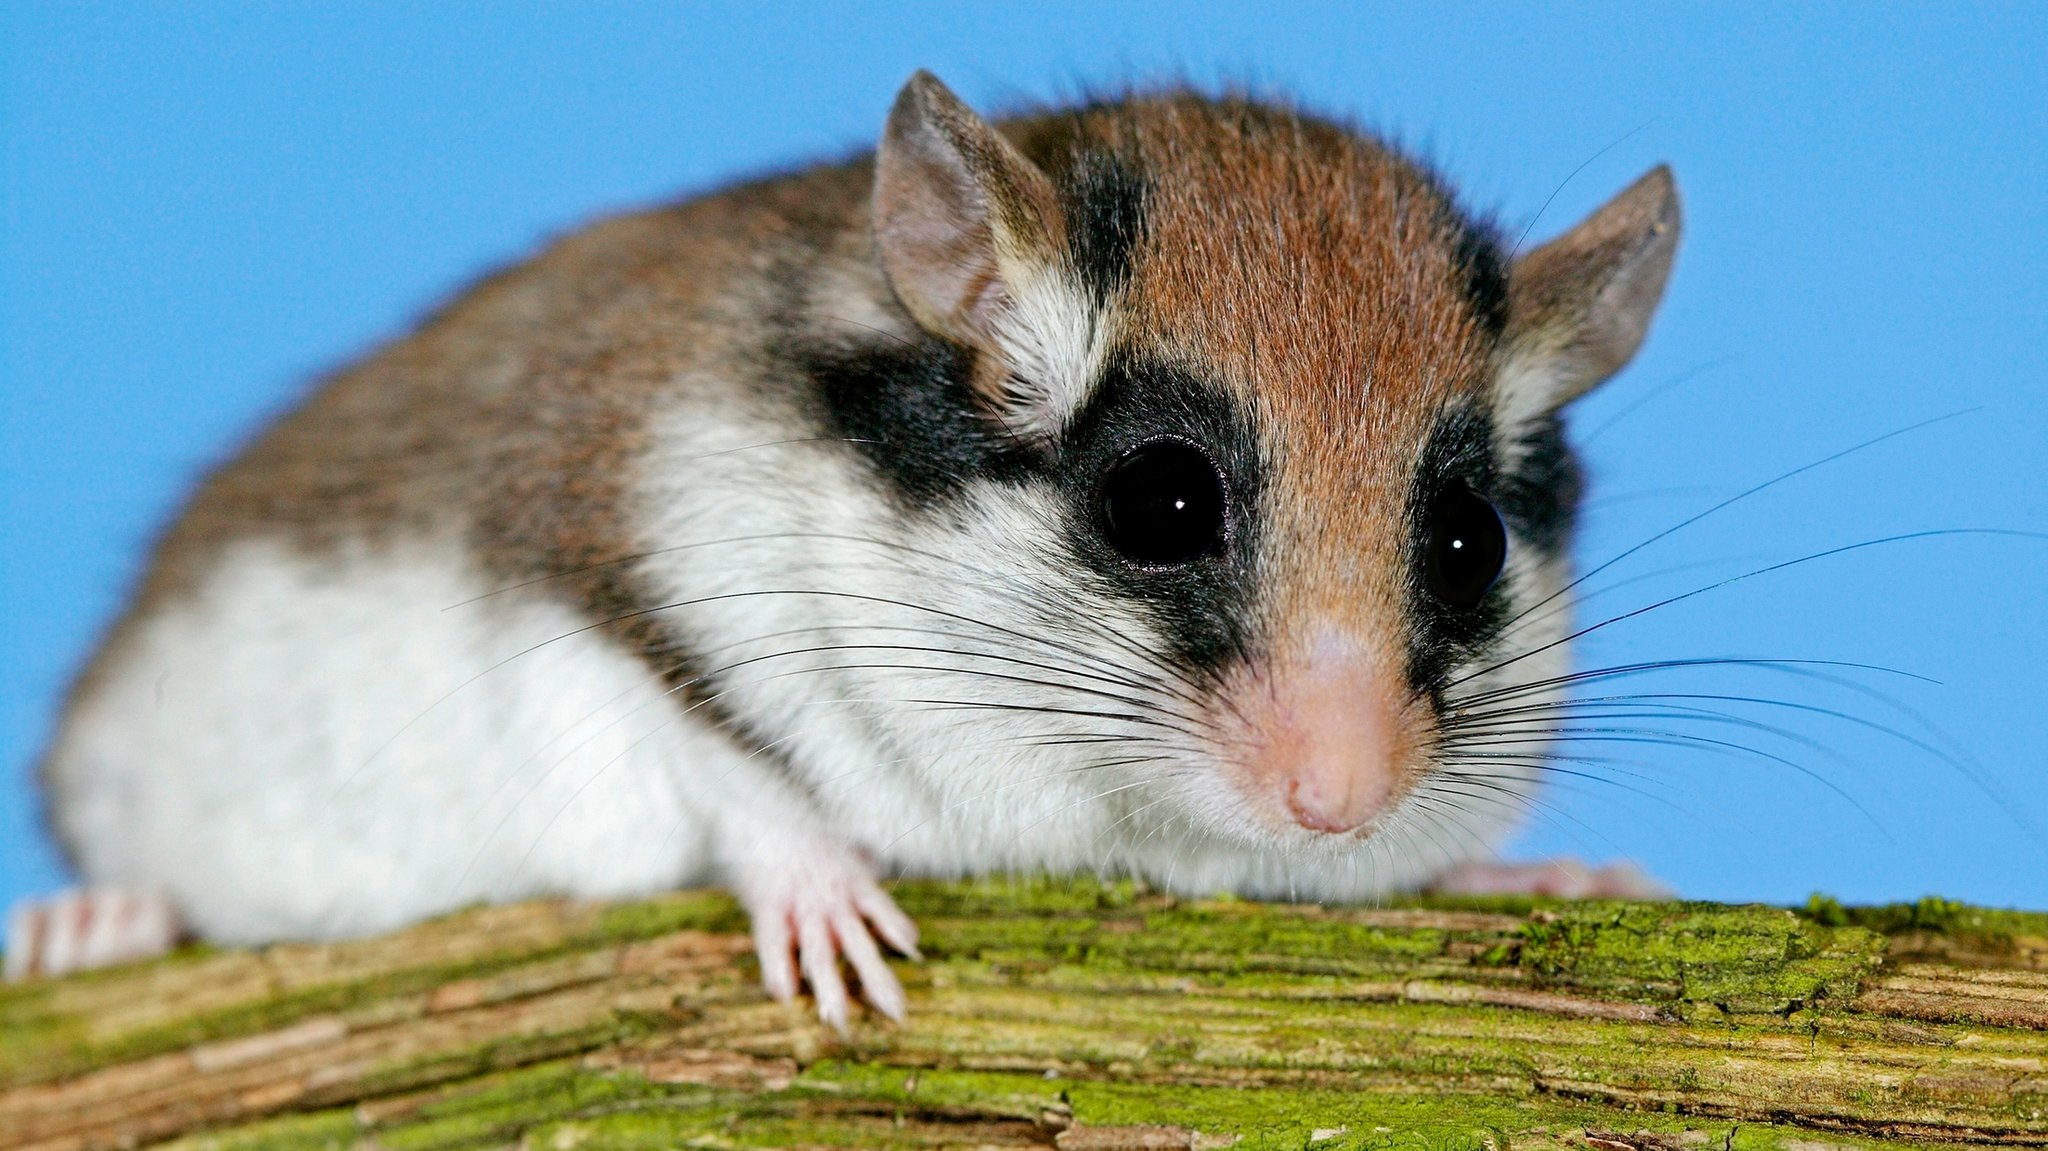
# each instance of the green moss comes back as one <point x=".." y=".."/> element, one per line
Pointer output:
<point x="997" y="1093"/>
<point x="497" y="1111"/>
<point x="849" y="1104"/>
<point x="1748" y="959"/>
<point x="1276" y="1118"/>
<point x="1745" y="959"/>
<point x="37" y="1038"/>
<point x="771" y="1123"/>
<point x="1016" y="895"/>
<point x="508" y="1052"/>
<point x="37" y="1045"/>
<point x="1252" y="938"/>
<point x="1993" y="929"/>
<point x="30" y="1033"/>
<point x="713" y="911"/>
<point x="1187" y="941"/>
<point x="1033" y="941"/>
<point x="1695" y="952"/>
<point x="561" y="1106"/>
<point x="1825" y="910"/>
<point x="332" y="1130"/>
<point x="65" y="1050"/>
<point x="1514" y="905"/>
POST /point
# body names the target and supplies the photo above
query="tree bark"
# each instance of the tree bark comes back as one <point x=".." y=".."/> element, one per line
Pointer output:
<point x="1072" y="1015"/>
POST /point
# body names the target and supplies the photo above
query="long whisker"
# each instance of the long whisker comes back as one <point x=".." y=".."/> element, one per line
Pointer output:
<point x="1004" y="657"/>
<point x="1626" y="670"/>
<point x="1811" y="557"/>
<point x="1553" y="812"/>
<point x="1562" y="184"/>
<point x="896" y="546"/>
<point x="978" y="673"/>
<point x="1657" y="737"/>
<point x="1683" y="378"/>
<point x="1573" y="706"/>
<point x="673" y="605"/>
<point x="1021" y="832"/>
<point x="1459" y="768"/>
<point x="1737" y="498"/>
<point x="1565" y="605"/>
<point x="1080" y="618"/>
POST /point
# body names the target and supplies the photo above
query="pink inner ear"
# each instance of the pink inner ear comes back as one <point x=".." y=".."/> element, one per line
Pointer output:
<point x="937" y="245"/>
<point x="951" y="195"/>
<point x="1325" y="739"/>
<point x="1584" y="300"/>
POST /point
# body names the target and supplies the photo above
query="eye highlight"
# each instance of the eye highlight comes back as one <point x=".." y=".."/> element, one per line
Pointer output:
<point x="1163" y="503"/>
<point x="1466" y="548"/>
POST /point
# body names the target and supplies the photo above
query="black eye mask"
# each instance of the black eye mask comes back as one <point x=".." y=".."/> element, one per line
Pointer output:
<point x="1162" y="473"/>
<point x="1458" y="544"/>
<point x="1467" y="517"/>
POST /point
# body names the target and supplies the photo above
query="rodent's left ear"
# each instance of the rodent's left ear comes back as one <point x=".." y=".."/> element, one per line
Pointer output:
<point x="1580" y="305"/>
<point x="963" y="221"/>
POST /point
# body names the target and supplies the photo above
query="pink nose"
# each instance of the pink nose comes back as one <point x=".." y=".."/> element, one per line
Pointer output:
<point x="1329" y="739"/>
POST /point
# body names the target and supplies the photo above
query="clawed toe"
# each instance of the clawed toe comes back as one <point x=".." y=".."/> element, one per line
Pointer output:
<point x="87" y="928"/>
<point x="877" y="983"/>
<point x="822" y="937"/>
<point x="806" y="922"/>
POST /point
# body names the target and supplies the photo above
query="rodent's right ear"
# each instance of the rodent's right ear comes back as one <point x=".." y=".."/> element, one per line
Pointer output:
<point x="963" y="221"/>
<point x="1580" y="305"/>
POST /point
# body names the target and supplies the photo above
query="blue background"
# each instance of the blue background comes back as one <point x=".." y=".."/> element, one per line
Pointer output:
<point x="205" y="205"/>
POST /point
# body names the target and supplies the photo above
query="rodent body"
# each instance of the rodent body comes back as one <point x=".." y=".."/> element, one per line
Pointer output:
<point x="1088" y="495"/>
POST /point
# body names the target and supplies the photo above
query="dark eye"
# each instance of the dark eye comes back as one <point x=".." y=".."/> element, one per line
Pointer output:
<point x="1163" y="504"/>
<point x="1467" y="546"/>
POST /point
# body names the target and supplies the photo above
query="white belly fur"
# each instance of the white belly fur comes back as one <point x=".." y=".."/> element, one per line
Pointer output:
<point x="322" y="745"/>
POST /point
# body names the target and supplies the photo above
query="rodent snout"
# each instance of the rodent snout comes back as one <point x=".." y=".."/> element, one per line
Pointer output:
<point x="1327" y="738"/>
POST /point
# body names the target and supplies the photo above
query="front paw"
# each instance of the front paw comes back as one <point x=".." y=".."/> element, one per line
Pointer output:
<point x="810" y="907"/>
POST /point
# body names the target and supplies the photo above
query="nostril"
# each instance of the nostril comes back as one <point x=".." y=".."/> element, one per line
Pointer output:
<point x="1317" y="816"/>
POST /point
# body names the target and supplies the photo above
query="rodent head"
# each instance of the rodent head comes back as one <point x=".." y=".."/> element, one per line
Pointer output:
<point x="1286" y="415"/>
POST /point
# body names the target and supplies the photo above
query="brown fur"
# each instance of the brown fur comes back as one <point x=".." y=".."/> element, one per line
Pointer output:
<point x="1347" y="365"/>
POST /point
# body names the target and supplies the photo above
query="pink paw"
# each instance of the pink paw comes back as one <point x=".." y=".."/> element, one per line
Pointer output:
<point x="811" y="909"/>
<point x="85" y="928"/>
<point x="1561" y="878"/>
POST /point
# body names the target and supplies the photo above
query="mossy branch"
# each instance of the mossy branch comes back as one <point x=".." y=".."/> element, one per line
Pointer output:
<point x="1070" y="1014"/>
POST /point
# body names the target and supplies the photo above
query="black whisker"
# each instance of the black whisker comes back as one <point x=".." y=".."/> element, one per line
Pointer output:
<point x="1826" y="553"/>
<point x="1738" y="497"/>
